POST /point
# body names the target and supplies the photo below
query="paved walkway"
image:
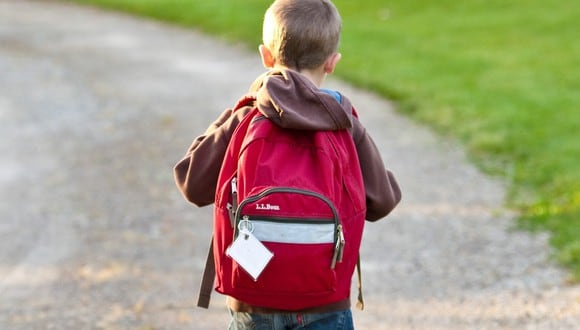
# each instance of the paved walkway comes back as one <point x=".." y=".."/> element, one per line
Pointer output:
<point x="95" y="108"/>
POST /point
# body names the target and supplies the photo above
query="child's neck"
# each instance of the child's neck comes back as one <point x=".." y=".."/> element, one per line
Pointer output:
<point x="316" y="76"/>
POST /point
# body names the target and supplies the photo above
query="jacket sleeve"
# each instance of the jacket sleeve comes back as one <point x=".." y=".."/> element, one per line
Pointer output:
<point x="382" y="190"/>
<point x="197" y="172"/>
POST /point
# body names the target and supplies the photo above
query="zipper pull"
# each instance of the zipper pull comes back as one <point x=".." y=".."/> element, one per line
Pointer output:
<point x="234" y="185"/>
<point x="338" y="248"/>
<point x="233" y="207"/>
<point x="341" y="242"/>
<point x="231" y="214"/>
<point x="334" y="257"/>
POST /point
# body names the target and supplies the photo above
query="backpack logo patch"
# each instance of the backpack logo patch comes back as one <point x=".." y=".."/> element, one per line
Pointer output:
<point x="268" y="207"/>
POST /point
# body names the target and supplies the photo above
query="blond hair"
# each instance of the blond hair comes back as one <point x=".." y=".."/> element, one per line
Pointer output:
<point x="301" y="34"/>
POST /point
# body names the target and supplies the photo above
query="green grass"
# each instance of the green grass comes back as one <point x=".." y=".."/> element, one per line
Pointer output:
<point x="501" y="76"/>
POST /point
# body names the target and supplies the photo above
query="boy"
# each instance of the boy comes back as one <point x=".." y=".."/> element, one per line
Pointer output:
<point x="300" y="48"/>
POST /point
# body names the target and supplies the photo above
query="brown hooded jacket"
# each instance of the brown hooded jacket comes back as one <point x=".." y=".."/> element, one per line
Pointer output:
<point x="290" y="100"/>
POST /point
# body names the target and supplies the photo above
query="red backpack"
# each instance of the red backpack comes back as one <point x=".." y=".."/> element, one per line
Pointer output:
<point x="301" y="194"/>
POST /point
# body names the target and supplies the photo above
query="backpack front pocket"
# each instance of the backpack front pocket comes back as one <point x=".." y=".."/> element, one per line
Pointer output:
<point x="302" y="262"/>
<point x="305" y="248"/>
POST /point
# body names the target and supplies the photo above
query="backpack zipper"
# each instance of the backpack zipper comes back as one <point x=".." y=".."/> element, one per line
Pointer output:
<point x="286" y="190"/>
<point x="338" y="248"/>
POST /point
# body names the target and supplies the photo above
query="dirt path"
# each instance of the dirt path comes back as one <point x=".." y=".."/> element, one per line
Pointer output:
<point x="95" y="108"/>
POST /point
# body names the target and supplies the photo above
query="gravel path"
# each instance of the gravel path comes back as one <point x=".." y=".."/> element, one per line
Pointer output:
<point x="96" y="107"/>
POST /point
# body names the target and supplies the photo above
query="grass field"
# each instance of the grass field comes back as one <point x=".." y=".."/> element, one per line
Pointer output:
<point x="503" y="77"/>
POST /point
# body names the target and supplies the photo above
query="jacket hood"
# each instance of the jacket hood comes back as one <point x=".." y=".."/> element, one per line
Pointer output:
<point x="291" y="100"/>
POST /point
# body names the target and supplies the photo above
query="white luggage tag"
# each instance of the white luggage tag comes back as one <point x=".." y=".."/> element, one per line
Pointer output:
<point x="248" y="251"/>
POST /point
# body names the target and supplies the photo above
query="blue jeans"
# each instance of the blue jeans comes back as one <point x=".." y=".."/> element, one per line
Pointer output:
<point x="341" y="320"/>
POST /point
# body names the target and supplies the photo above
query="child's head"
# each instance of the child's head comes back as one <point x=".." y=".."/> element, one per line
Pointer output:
<point x="301" y="34"/>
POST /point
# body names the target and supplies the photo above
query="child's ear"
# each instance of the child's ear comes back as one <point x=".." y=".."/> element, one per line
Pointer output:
<point x="267" y="58"/>
<point x="331" y="62"/>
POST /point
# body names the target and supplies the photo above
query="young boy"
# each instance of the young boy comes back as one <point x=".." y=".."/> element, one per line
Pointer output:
<point x="300" y="48"/>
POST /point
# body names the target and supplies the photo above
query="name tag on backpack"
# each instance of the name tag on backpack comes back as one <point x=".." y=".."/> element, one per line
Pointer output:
<point x="250" y="254"/>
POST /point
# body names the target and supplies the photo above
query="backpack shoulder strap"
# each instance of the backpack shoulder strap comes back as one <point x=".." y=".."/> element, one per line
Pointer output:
<point x="208" y="277"/>
<point x="207" y="281"/>
<point x="360" y="304"/>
